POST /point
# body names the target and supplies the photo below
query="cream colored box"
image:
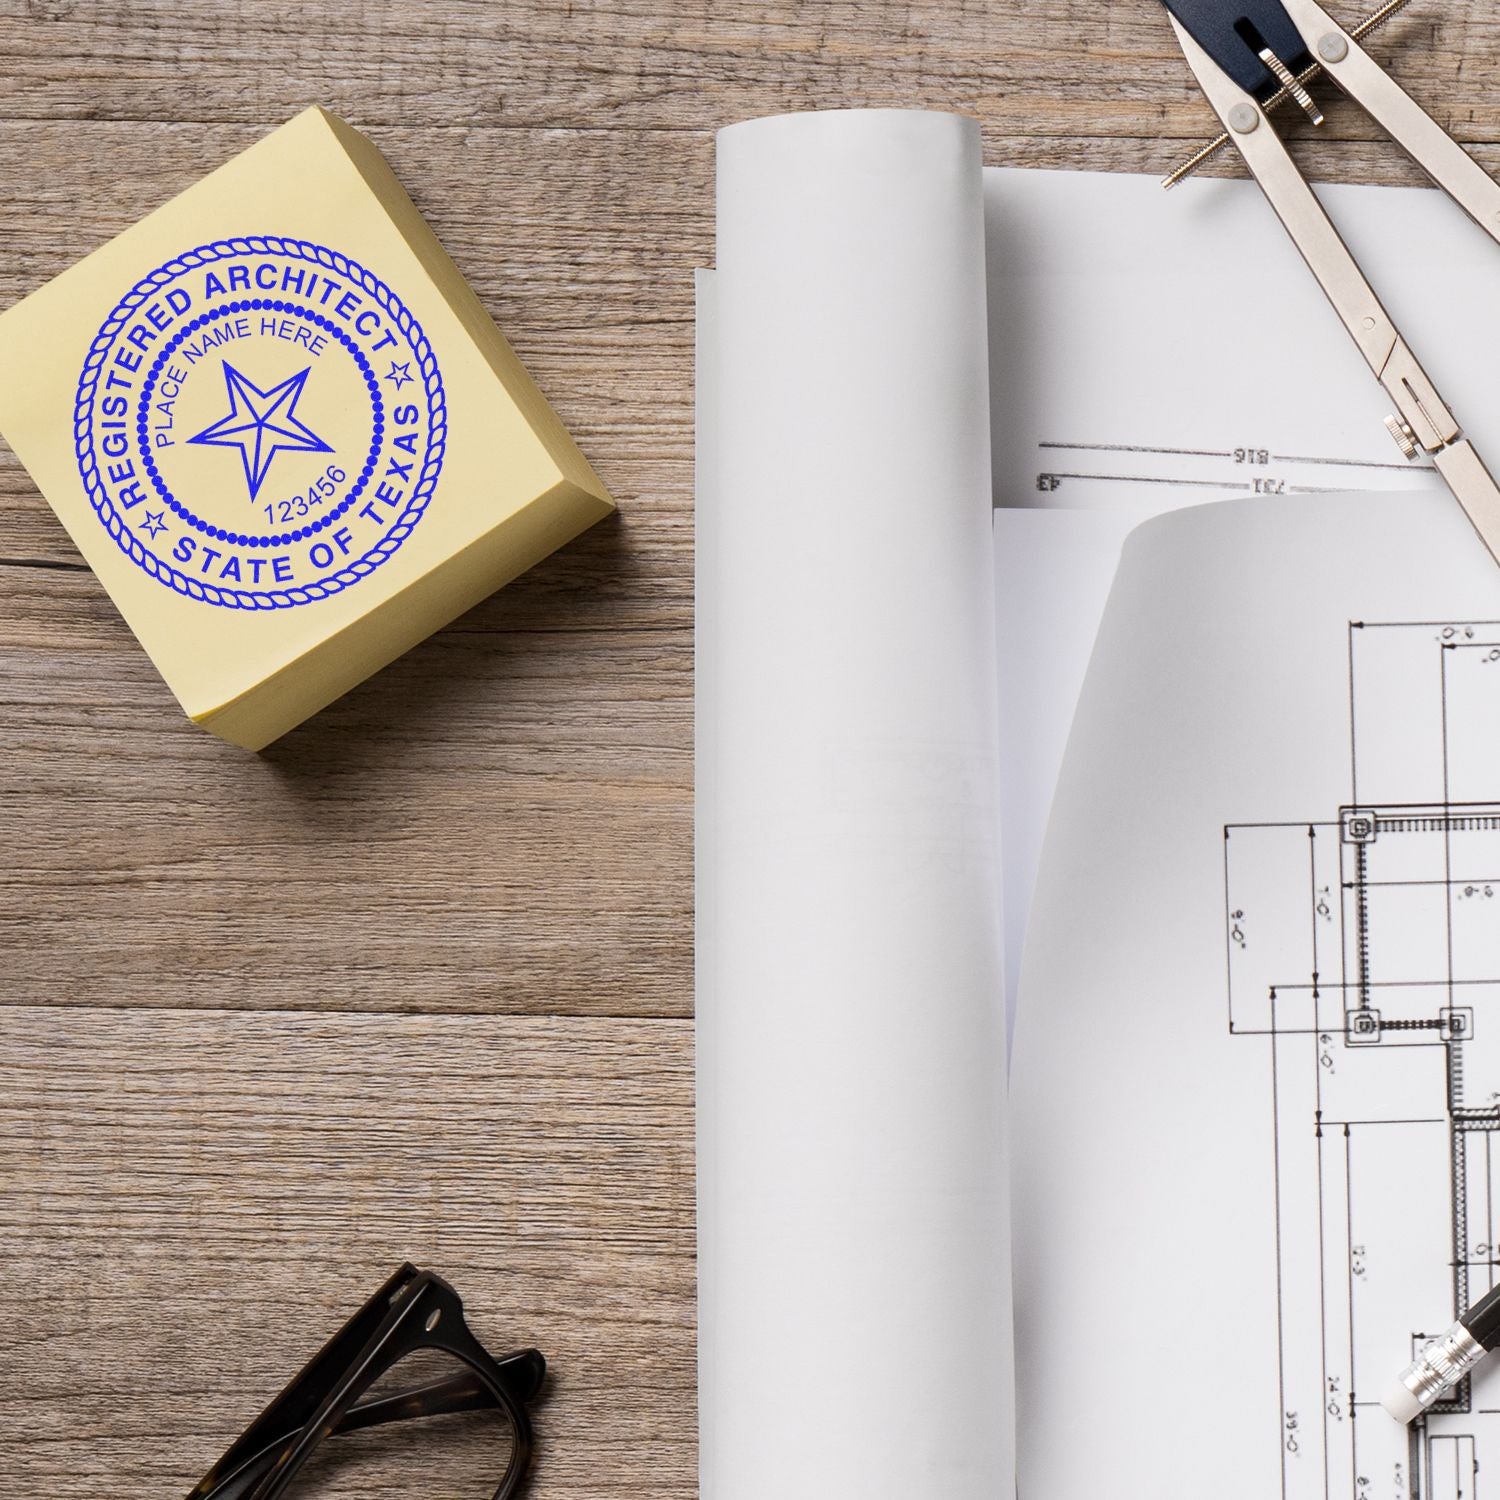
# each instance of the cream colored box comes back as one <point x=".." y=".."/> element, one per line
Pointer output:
<point x="283" y="431"/>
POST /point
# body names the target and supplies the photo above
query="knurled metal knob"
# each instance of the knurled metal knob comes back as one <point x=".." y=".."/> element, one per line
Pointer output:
<point x="1406" y="439"/>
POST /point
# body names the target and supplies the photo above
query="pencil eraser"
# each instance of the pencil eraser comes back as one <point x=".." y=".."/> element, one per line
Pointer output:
<point x="1401" y="1403"/>
<point x="283" y="431"/>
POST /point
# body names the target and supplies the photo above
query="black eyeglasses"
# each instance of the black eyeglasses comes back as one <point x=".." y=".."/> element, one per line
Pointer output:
<point x="414" y="1311"/>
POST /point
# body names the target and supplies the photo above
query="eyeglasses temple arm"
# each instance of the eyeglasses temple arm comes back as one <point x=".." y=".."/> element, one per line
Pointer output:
<point x="522" y="1374"/>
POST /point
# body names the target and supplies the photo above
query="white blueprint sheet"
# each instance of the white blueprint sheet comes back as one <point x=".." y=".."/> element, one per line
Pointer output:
<point x="1256" y="1081"/>
<point x="1150" y="350"/>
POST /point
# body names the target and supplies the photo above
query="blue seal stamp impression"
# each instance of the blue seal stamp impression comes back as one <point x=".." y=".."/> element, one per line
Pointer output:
<point x="260" y="423"/>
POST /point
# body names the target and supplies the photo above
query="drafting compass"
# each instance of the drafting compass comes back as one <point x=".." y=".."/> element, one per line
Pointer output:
<point x="1250" y="56"/>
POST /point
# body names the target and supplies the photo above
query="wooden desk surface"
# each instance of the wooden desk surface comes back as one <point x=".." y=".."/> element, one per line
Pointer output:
<point x="416" y="982"/>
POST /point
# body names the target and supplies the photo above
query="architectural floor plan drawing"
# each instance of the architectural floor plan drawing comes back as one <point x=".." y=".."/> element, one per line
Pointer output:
<point x="1363" y="947"/>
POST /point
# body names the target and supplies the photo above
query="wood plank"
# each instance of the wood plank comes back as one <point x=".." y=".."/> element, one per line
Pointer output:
<point x="1032" y="67"/>
<point x="194" y="1201"/>
<point x="500" y="820"/>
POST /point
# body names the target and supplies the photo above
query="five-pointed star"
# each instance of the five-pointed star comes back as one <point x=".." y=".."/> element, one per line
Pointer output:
<point x="261" y="424"/>
<point x="154" y="524"/>
<point x="400" y="374"/>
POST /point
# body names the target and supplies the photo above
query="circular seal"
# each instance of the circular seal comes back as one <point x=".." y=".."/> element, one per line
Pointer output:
<point x="260" y="423"/>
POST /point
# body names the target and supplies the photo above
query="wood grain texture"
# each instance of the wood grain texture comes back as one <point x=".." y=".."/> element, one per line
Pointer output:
<point x="416" y="983"/>
<point x="194" y="1201"/>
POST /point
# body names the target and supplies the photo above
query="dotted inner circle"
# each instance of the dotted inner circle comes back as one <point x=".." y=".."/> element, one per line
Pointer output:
<point x="280" y="539"/>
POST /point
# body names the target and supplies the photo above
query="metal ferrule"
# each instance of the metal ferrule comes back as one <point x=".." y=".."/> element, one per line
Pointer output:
<point x="1441" y="1364"/>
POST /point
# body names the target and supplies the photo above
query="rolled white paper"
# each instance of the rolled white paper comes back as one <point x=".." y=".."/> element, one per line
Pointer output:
<point x="853" y="1237"/>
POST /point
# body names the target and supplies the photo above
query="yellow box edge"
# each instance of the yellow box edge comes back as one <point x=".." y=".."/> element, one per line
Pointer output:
<point x="277" y="704"/>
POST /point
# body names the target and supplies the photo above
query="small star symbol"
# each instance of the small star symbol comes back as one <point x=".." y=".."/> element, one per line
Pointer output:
<point x="261" y="424"/>
<point x="400" y="374"/>
<point x="154" y="524"/>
